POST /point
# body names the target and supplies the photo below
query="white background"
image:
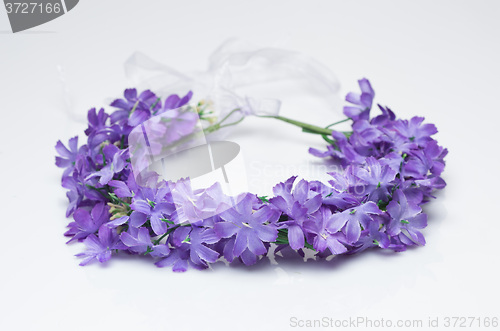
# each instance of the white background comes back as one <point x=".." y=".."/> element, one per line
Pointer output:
<point x="438" y="59"/>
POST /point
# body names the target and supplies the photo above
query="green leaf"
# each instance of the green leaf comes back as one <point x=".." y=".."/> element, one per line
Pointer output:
<point x="264" y="199"/>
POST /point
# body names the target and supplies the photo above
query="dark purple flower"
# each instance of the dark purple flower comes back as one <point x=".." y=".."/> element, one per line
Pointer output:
<point x="97" y="121"/>
<point x="365" y="138"/>
<point x="134" y="109"/>
<point x="99" y="132"/>
<point x="422" y="161"/>
<point x="88" y="223"/>
<point x="386" y="117"/>
<point x="362" y="103"/>
<point x="75" y="193"/>
<point x="174" y="101"/>
<point x="67" y="156"/>
<point x="115" y="163"/>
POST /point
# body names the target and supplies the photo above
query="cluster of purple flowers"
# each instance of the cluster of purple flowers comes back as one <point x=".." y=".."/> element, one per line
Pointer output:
<point x="391" y="167"/>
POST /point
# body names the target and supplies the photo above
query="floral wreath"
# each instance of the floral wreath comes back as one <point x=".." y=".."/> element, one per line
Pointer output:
<point x="391" y="168"/>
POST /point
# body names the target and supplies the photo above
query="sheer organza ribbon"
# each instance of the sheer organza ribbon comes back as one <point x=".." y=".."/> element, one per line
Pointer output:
<point x="234" y="69"/>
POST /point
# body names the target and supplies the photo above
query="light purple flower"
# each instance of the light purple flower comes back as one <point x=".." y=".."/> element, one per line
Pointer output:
<point x="353" y="219"/>
<point x="88" y="223"/>
<point x="414" y="130"/>
<point x="100" y="247"/>
<point x="196" y="206"/>
<point x="191" y="248"/>
<point x="251" y="228"/>
<point x="319" y="233"/>
<point x="374" y="236"/>
<point x="139" y="241"/>
<point x="406" y="220"/>
<point x="377" y="179"/>
<point x="298" y="205"/>
<point x="152" y="203"/>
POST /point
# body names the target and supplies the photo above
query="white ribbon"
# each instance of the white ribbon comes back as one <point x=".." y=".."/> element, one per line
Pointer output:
<point x="233" y="67"/>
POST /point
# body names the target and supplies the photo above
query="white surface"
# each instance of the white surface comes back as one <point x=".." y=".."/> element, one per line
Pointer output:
<point x="429" y="58"/>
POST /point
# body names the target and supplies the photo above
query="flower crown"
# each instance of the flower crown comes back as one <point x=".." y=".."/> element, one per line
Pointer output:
<point x="391" y="168"/>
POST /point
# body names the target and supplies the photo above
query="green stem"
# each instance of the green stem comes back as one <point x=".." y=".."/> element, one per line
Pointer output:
<point x="219" y="125"/>
<point x="342" y="121"/>
<point x="133" y="108"/>
<point x="309" y="128"/>
<point x="328" y="140"/>
<point x="105" y="195"/>
<point x="169" y="231"/>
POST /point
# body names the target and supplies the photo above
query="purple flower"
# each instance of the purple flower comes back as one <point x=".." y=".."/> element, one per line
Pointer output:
<point x="97" y="121"/>
<point x="179" y="260"/>
<point x="377" y="179"/>
<point x="121" y="189"/>
<point x="191" y="248"/>
<point x="347" y="181"/>
<point x="197" y="238"/>
<point x="100" y="247"/>
<point x="139" y="241"/>
<point x="251" y="228"/>
<point x="98" y="131"/>
<point x="386" y="117"/>
<point x="353" y="219"/>
<point x="333" y="198"/>
<point x="320" y="234"/>
<point x="389" y="168"/>
<point x="414" y="131"/>
<point x="366" y="138"/>
<point x="406" y="220"/>
<point x="374" y="236"/>
<point x="88" y="223"/>
<point x="298" y="205"/>
<point x="151" y="202"/>
<point x="422" y="161"/>
<point x="174" y="101"/>
<point x="362" y="103"/>
<point x="67" y="156"/>
<point x="115" y="163"/>
<point x="75" y="194"/>
<point x="195" y="207"/>
<point x="134" y="109"/>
